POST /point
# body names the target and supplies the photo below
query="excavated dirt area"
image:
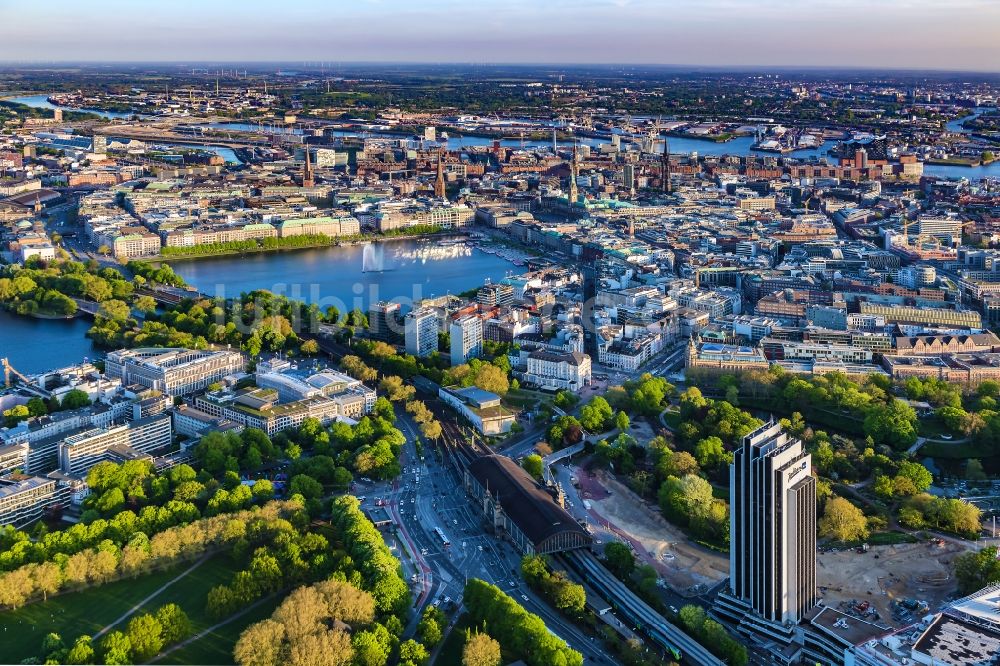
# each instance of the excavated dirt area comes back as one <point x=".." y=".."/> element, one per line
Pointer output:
<point x="680" y="562"/>
<point x="912" y="572"/>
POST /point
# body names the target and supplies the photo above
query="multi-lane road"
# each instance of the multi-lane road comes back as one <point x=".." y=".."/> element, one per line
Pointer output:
<point x="428" y="495"/>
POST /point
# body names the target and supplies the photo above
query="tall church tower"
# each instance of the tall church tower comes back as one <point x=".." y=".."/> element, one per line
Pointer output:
<point x="666" y="165"/>
<point x="573" y="193"/>
<point x="307" y="172"/>
<point x="439" y="183"/>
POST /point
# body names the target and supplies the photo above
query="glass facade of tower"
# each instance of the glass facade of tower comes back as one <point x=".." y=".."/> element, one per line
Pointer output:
<point x="773" y="525"/>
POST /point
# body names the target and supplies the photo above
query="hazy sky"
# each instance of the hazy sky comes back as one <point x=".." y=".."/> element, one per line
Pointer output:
<point x="939" y="34"/>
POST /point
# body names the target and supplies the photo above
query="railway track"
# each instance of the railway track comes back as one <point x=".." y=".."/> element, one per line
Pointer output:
<point x="674" y="641"/>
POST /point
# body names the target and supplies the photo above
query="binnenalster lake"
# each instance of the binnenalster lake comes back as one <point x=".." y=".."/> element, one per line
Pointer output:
<point x="401" y="270"/>
<point x="404" y="270"/>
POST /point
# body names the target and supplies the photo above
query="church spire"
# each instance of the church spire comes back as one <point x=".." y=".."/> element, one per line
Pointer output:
<point x="666" y="165"/>
<point x="573" y="194"/>
<point x="439" y="183"/>
<point x="307" y="172"/>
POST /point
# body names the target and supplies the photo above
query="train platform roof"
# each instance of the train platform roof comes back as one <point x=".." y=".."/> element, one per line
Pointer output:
<point x="528" y="505"/>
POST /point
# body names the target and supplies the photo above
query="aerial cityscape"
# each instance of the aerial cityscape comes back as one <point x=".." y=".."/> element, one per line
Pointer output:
<point x="479" y="334"/>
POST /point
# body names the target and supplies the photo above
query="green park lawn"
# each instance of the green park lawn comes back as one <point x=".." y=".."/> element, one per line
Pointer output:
<point x="451" y="650"/>
<point x="933" y="428"/>
<point x="672" y="418"/>
<point x="525" y="398"/>
<point x="89" y="611"/>
<point x="216" y="647"/>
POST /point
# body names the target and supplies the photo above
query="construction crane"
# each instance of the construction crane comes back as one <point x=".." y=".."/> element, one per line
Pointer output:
<point x="9" y="370"/>
<point x="654" y="131"/>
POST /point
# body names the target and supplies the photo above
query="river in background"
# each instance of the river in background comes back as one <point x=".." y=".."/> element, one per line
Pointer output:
<point x="742" y="145"/>
<point x="678" y="145"/>
<point x="42" y="102"/>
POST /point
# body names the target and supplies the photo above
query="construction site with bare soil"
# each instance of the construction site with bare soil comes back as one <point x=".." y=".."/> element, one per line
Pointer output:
<point x="680" y="562"/>
<point x="891" y="585"/>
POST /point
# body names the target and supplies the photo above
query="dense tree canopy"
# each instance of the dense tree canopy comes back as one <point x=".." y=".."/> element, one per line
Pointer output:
<point x="520" y="632"/>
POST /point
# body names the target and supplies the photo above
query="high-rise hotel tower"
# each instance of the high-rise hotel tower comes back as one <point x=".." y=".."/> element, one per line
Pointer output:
<point x="772" y="555"/>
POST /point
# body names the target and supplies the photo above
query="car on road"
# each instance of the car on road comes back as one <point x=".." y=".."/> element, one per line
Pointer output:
<point x="480" y="548"/>
<point x="512" y="583"/>
<point x="525" y="597"/>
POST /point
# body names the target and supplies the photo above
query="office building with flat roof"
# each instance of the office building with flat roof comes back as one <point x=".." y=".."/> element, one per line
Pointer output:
<point x="923" y="316"/>
<point x="382" y="320"/>
<point x="420" y="329"/>
<point x="24" y="499"/>
<point x="772" y="562"/>
<point x="174" y="371"/>
<point x="772" y="552"/>
<point x="79" y="452"/>
<point x="481" y="408"/>
<point x="287" y="395"/>
<point x="466" y="338"/>
<point x="492" y="295"/>
<point x="13" y="457"/>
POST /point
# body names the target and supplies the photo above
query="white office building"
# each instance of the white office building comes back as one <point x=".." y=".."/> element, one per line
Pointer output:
<point x="79" y="452"/>
<point x="421" y="332"/>
<point x="174" y="371"/>
<point x="557" y="371"/>
<point x="24" y="499"/>
<point x="466" y="338"/>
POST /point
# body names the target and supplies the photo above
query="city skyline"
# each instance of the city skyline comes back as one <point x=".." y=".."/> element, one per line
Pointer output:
<point x="598" y="332"/>
<point x="720" y="33"/>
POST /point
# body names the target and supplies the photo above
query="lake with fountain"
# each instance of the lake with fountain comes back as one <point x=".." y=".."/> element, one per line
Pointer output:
<point x="352" y="276"/>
